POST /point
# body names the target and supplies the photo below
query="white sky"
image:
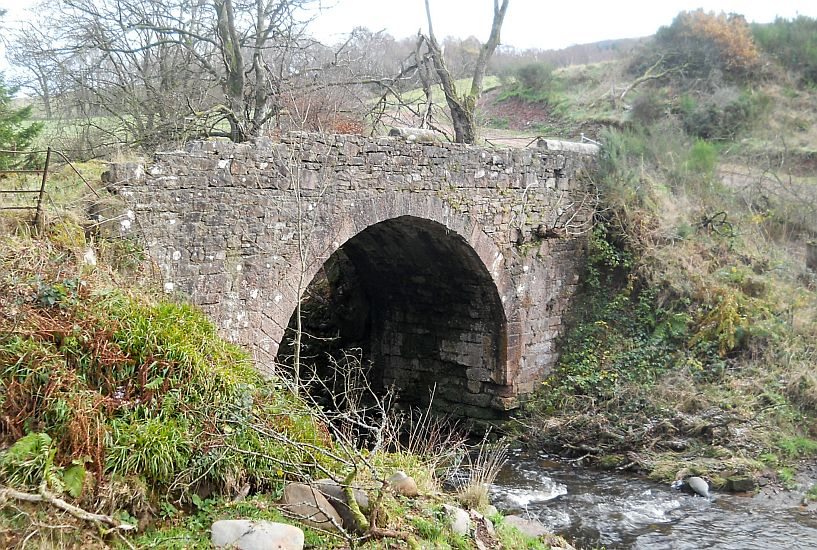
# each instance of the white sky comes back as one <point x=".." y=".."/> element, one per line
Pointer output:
<point x="543" y="24"/>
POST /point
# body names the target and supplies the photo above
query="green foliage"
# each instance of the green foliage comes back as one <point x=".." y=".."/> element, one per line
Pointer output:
<point x="431" y="527"/>
<point x="16" y="133"/>
<point x="157" y="448"/>
<point x="428" y="529"/>
<point x="703" y="45"/>
<point x="510" y="537"/>
<point x="30" y="462"/>
<point x="604" y="257"/>
<point x="797" y="446"/>
<point x="534" y="83"/>
<point x="793" y="42"/>
<point x="534" y="76"/>
<point x="57" y="294"/>
<point x="786" y="477"/>
<point x="649" y="107"/>
<point x="621" y="335"/>
<point x="74" y="477"/>
<point x="193" y="531"/>
<point x="721" y="115"/>
<point x="147" y="390"/>
<point x="703" y="158"/>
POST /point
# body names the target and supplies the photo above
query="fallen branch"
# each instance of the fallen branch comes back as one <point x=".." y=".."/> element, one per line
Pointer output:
<point x="79" y="513"/>
<point x="648" y="75"/>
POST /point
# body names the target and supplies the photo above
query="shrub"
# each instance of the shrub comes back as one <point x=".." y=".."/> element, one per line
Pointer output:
<point x="533" y="82"/>
<point x="722" y="115"/>
<point x="648" y="107"/>
<point x="793" y="43"/>
<point x="703" y="45"/>
<point x="534" y="76"/>
<point x="702" y="159"/>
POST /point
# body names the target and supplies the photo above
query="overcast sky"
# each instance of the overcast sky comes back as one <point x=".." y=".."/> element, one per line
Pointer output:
<point x="541" y="24"/>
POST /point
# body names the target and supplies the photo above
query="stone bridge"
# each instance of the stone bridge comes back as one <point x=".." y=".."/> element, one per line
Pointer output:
<point x="450" y="265"/>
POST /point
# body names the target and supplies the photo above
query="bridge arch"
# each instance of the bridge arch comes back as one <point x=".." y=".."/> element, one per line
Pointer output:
<point x="420" y="288"/>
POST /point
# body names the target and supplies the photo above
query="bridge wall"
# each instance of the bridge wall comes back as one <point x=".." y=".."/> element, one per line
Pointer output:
<point x="241" y="229"/>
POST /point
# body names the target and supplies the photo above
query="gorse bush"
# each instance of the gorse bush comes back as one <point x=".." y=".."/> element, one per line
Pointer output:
<point x="721" y="115"/>
<point x="533" y="82"/>
<point x="702" y="159"/>
<point x="702" y="42"/>
<point x="534" y="76"/>
<point x="648" y="107"/>
<point x="793" y="43"/>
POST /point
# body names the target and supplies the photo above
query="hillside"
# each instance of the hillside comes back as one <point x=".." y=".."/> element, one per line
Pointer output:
<point x="691" y="347"/>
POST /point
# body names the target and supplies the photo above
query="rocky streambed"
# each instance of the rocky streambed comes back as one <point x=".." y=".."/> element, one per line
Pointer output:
<point x="594" y="508"/>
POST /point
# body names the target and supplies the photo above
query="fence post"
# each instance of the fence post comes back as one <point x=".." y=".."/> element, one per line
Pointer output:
<point x="38" y="217"/>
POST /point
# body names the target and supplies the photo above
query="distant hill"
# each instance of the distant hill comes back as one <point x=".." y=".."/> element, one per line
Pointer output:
<point x="579" y="54"/>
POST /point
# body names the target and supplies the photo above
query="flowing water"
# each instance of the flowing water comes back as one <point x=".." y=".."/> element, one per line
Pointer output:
<point x="593" y="509"/>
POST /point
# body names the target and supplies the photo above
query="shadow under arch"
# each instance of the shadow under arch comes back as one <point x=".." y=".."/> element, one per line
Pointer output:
<point x="421" y="298"/>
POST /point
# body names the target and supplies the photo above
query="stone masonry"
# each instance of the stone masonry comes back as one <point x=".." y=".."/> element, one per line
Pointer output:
<point x="460" y="251"/>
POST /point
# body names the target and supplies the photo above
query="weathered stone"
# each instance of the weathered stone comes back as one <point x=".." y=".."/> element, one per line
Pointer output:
<point x="110" y="217"/>
<point x="417" y="134"/>
<point x="429" y="228"/>
<point x="403" y="484"/>
<point x="256" y="535"/>
<point x="458" y="519"/>
<point x="308" y="506"/>
<point x="336" y="496"/>
<point x="740" y="484"/>
<point x="529" y="527"/>
<point x="698" y="486"/>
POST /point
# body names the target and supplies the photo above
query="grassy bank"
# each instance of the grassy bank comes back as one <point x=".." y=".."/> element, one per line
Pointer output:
<point x="691" y="347"/>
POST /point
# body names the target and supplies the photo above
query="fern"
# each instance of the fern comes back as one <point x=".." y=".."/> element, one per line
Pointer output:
<point x="30" y="462"/>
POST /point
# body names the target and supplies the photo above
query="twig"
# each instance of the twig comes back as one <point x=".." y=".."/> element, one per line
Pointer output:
<point x="45" y="496"/>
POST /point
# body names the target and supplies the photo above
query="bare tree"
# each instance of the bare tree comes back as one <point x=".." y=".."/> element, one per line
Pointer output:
<point x="463" y="106"/>
<point x="27" y="48"/>
<point x="174" y="69"/>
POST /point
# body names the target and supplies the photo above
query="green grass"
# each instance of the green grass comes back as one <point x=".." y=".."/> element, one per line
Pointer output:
<point x="510" y="537"/>
<point x="463" y="85"/>
<point x="192" y="531"/>
<point x="797" y="446"/>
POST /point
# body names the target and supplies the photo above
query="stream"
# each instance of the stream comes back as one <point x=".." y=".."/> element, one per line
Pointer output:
<point x="592" y="509"/>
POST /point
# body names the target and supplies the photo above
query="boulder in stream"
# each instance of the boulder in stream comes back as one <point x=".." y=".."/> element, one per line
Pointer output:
<point x="698" y="485"/>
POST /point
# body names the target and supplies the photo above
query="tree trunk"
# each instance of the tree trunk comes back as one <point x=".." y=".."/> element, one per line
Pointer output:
<point x="463" y="117"/>
<point x="811" y="255"/>
<point x="463" y="108"/>
<point x="233" y="83"/>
